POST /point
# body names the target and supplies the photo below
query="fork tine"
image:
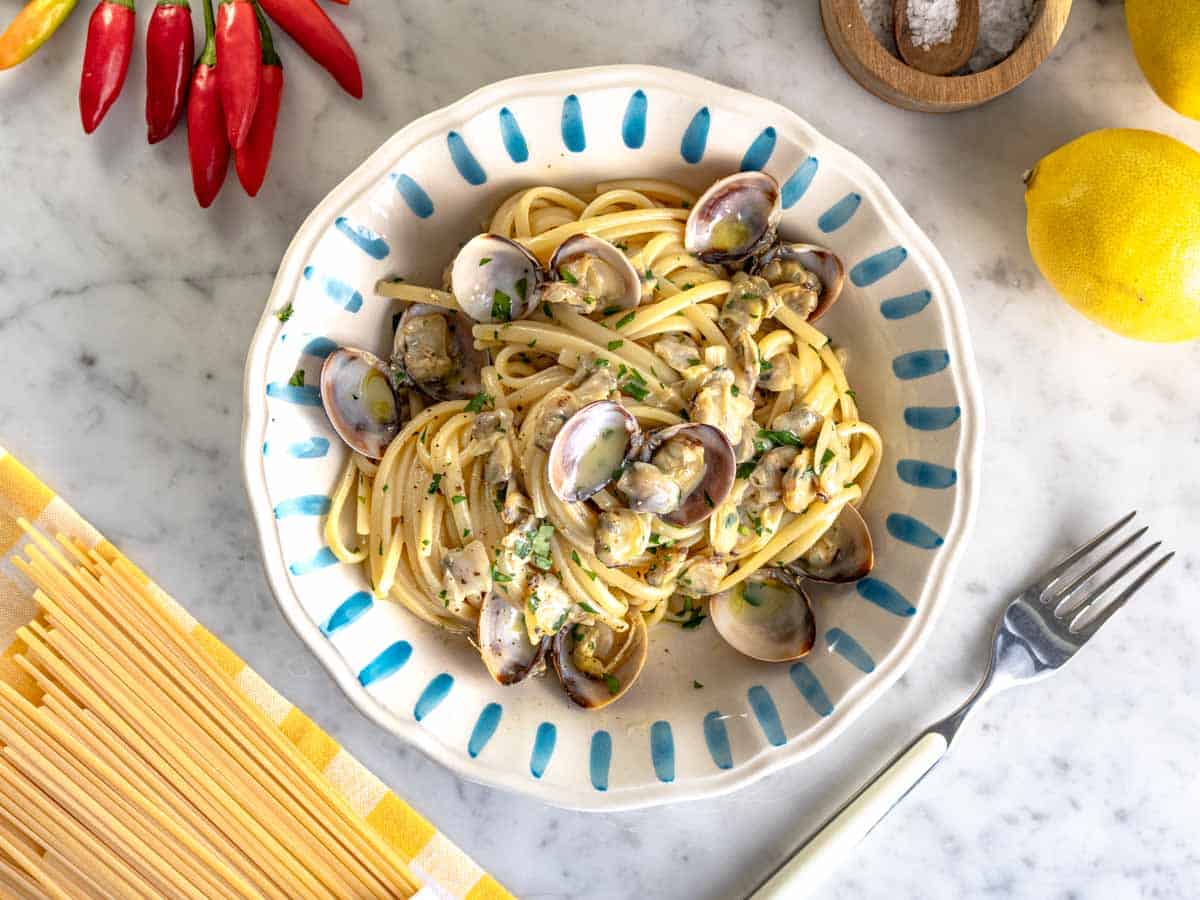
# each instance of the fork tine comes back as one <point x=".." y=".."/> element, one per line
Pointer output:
<point x="1122" y="598"/>
<point x="1061" y="599"/>
<point x="1058" y="570"/>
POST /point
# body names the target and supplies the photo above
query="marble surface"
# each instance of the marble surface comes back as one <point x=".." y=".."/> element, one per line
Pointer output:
<point x="125" y="312"/>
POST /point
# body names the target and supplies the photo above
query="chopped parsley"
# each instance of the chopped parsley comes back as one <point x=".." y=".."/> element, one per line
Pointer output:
<point x="613" y="682"/>
<point x="522" y="286"/>
<point x="541" y="546"/>
<point x="852" y="395"/>
<point x="610" y="310"/>
<point x="385" y="487"/>
<point x="485" y="260"/>
<point x="752" y="598"/>
<point x="654" y="537"/>
<point x="297" y="379"/>
<point x="694" y="622"/>
<point x="587" y="608"/>
<point x="500" y="577"/>
<point x="548" y="311"/>
<point x="566" y="276"/>
<point x="624" y="320"/>
<point x="735" y="390"/>
<point x="826" y="457"/>
<point x="708" y="501"/>
<point x="780" y="438"/>
<point x="688" y="286"/>
<point x="730" y="519"/>
<point x="694" y="361"/>
<point x="744" y="469"/>
<point x="765" y="366"/>
<point x="284" y="314"/>
<point x="501" y="306"/>
<point x="466" y="532"/>
<point x="478" y="402"/>
<point x="534" y="601"/>
<point x="457" y="499"/>
<point x="636" y="391"/>
<point x="435" y="484"/>
<point x="601" y="363"/>
<point x="615" y="345"/>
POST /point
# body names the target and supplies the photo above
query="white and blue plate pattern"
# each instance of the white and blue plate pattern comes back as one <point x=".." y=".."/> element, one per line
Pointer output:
<point x="702" y="720"/>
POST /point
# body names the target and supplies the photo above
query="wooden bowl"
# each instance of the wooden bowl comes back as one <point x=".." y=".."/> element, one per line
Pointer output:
<point x="890" y="79"/>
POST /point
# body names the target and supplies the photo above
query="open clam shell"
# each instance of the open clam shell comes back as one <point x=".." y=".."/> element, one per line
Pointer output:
<point x="823" y="263"/>
<point x="585" y="689"/>
<point x="844" y="553"/>
<point x="720" y="468"/>
<point x="767" y="616"/>
<point x="495" y="279"/>
<point x="735" y="218"/>
<point x="504" y="642"/>
<point x="439" y="357"/>
<point x="589" y="449"/>
<point x="598" y="268"/>
<point x="358" y="396"/>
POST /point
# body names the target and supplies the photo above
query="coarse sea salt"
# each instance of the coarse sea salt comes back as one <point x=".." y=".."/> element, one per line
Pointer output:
<point x="1002" y="25"/>
<point x="931" y="22"/>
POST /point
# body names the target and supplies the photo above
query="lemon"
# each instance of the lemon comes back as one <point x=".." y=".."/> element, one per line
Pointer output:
<point x="1113" y="222"/>
<point x="1166" y="41"/>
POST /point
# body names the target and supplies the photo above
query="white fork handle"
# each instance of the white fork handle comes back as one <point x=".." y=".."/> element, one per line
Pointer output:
<point x="833" y="842"/>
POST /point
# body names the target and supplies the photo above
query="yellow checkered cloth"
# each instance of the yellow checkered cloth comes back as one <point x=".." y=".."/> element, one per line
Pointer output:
<point x="445" y="871"/>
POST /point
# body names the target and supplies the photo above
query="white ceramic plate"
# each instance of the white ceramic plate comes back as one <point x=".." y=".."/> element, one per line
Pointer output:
<point x="404" y="211"/>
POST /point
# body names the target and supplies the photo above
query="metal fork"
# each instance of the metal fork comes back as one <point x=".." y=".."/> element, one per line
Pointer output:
<point x="1040" y="630"/>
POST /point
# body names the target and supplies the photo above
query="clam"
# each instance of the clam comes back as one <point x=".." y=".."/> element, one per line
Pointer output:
<point x="592" y="274"/>
<point x="590" y="449"/>
<point x="357" y="393"/>
<point x="843" y="553"/>
<point x="592" y="690"/>
<point x="768" y="617"/>
<point x="504" y="643"/>
<point x="435" y="350"/>
<point x="790" y="269"/>
<point x="696" y="459"/>
<point x="495" y="279"/>
<point x="734" y="219"/>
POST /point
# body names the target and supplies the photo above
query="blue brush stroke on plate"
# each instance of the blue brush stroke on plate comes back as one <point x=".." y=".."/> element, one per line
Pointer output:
<point x="850" y="650"/>
<point x="335" y="289"/>
<point x="717" y="738"/>
<point x="840" y="213"/>
<point x="464" y="160"/>
<point x="931" y="418"/>
<point x="797" y="185"/>
<point x="414" y="195"/>
<point x="695" y="138"/>
<point x="389" y="662"/>
<point x="543" y="749"/>
<point x="433" y="695"/>
<point x="766" y="713"/>
<point x="349" y="611"/>
<point x="873" y="268"/>
<point x="903" y="307"/>
<point x="301" y="395"/>
<point x="313" y="448"/>
<point x="574" y="138"/>
<point x="923" y="474"/>
<point x="307" y="505"/>
<point x="485" y="727"/>
<point x="599" y="759"/>
<point x="920" y="363"/>
<point x="885" y="597"/>
<point x="759" y="152"/>
<point x="662" y="751"/>
<point x="912" y="531"/>
<point x="810" y="689"/>
<point x="514" y="139"/>
<point x="633" y="128"/>
<point x="319" y="347"/>
<point x="322" y="559"/>
<point x="369" y="241"/>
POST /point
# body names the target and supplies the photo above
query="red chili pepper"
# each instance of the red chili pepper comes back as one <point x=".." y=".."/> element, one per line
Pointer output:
<point x="240" y="74"/>
<point x="208" y="147"/>
<point x="170" y="49"/>
<point x="105" y="59"/>
<point x="252" y="157"/>
<point x="312" y="29"/>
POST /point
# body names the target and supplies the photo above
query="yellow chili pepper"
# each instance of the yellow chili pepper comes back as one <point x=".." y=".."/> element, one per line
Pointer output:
<point x="31" y="28"/>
